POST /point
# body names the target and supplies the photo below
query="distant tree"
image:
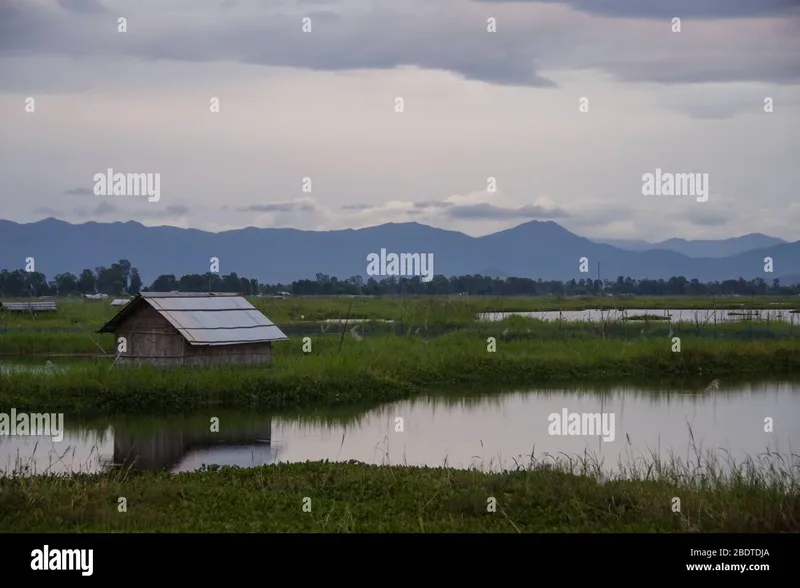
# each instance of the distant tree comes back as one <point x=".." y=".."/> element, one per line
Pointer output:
<point x="164" y="283"/>
<point x="86" y="282"/>
<point x="136" y="282"/>
<point x="12" y="284"/>
<point x="193" y="283"/>
<point x="65" y="284"/>
<point x="123" y="269"/>
<point x="121" y="277"/>
<point x="36" y="284"/>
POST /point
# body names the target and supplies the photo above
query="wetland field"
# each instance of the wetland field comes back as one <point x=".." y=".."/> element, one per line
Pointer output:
<point x="417" y="415"/>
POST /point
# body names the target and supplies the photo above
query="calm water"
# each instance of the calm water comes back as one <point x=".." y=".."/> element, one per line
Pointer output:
<point x="489" y="432"/>
<point x="684" y="315"/>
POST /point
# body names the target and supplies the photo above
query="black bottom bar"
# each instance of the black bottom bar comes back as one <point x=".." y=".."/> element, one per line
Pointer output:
<point x="348" y="557"/>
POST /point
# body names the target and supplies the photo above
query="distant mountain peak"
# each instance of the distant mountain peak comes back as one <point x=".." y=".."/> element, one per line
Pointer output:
<point x="535" y="249"/>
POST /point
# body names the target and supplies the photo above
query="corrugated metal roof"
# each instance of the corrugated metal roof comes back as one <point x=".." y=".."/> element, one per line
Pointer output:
<point x="258" y="334"/>
<point x="189" y="295"/>
<point x="218" y="319"/>
<point x="201" y="304"/>
<point x="211" y="319"/>
<point x="120" y="301"/>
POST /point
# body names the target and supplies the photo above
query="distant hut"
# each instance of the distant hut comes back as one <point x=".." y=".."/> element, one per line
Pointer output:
<point x="31" y="307"/>
<point x="193" y="329"/>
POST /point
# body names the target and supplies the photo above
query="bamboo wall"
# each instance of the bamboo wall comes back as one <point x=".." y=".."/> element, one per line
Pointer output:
<point x="152" y="340"/>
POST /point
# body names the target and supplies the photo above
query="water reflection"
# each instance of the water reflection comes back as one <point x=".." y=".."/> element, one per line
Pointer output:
<point x="186" y="449"/>
<point x="476" y="429"/>
<point x="180" y="445"/>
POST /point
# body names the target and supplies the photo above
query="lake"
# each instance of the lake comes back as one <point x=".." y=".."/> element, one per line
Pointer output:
<point x="490" y="431"/>
<point x="688" y="315"/>
<point x="694" y="315"/>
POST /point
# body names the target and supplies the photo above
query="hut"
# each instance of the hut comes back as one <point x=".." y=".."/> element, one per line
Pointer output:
<point x="38" y="306"/>
<point x="174" y="329"/>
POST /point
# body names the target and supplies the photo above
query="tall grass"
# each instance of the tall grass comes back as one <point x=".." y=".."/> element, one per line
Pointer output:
<point x="44" y="342"/>
<point x="545" y="494"/>
<point x="382" y="369"/>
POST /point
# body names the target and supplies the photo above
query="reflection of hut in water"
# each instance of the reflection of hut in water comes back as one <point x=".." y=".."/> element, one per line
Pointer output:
<point x="165" y="449"/>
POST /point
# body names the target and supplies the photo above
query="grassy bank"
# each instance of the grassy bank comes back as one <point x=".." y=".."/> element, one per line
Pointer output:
<point x="29" y="341"/>
<point x="384" y="369"/>
<point x="353" y="497"/>
<point x="433" y="310"/>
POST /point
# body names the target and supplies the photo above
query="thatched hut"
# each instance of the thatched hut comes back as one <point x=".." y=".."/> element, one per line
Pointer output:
<point x="174" y="329"/>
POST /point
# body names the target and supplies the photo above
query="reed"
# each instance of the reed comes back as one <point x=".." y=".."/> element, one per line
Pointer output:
<point x="46" y="342"/>
<point x="383" y="369"/>
<point x="564" y="494"/>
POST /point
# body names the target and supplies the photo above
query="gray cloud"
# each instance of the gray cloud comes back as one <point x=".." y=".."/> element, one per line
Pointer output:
<point x="708" y="221"/>
<point x="707" y="112"/>
<point x="47" y="211"/>
<point x="461" y="132"/>
<point x="171" y="211"/>
<point x="80" y="192"/>
<point x="83" y="6"/>
<point x="490" y="211"/>
<point x="178" y="209"/>
<point x="432" y="204"/>
<point x="594" y="216"/>
<point x="102" y="209"/>
<point x="26" y="30"/>
<point x="705" y="217"/>
<point x="711" y="72"/>
<point x="323" y="16"/>
<point x="444" y="38"/>
<point x="149" y="212"/>
<point x="105" y="208"/>
<point x="279" y="207"/>
<point x="377" y="41"/>
<point x="661" y="9"/>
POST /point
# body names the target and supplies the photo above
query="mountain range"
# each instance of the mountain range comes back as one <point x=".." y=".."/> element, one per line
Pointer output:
<point x="700" y="247"/>
<point x="536" y="249"/>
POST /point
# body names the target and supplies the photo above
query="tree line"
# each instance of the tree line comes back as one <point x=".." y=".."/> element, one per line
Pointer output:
<point x="121" y="279"/>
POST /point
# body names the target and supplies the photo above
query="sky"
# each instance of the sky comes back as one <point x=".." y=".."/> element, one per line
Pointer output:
<point x="511" y="112"/>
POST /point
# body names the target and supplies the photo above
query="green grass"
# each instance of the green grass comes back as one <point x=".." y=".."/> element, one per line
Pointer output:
<point x="385" y="369"/>
<point x="30" y="341"/>
<point x="545" y="495"/>
<point x="440" y="310"/>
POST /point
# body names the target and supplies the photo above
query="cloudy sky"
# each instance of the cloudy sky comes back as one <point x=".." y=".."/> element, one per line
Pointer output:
<point x="321" y="104"/>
